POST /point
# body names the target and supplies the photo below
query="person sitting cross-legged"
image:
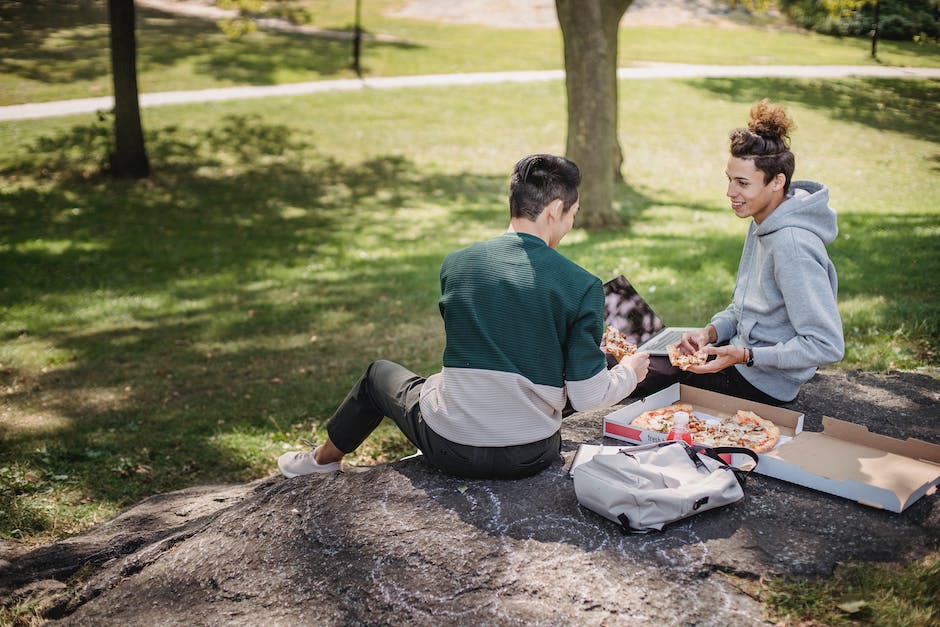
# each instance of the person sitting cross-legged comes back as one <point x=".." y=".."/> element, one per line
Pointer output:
<point x="783" y="321"/>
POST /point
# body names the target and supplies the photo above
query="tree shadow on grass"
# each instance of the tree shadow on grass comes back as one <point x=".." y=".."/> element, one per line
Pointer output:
<point x="232" y="297"/>
<point x="215" y="310"/>
<point x="31" y="47"/>
<point x="900" y="106"/>
<point x="936" y="163"/>
<point x="242" y="194"/>
<point x="892" y="260"/>
<point x="166" y="40"/>
<point x="197" y="322"/>
<point x="62" y="41"/>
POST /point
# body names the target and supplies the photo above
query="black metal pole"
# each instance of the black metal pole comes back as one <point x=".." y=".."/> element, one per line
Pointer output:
<point x="357" y="40"/>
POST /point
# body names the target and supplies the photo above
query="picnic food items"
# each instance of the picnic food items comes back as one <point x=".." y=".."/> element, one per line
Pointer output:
<point x="683" y="360"/>
<point x="615" y="343"/>
<point x="744" y="428"/>
<point x="680" y="428"/>
<point x="661" y="419"/>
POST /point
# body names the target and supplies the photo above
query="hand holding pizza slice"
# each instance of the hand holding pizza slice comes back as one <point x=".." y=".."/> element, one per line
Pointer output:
<point x="615" y="343"/>
<point x="683" y="360"/>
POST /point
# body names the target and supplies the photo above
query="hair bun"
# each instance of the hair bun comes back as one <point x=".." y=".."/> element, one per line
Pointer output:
<point x="770" y="121"/>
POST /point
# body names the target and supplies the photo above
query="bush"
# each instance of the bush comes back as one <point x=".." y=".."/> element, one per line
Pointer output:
<point x="898" y="19"/>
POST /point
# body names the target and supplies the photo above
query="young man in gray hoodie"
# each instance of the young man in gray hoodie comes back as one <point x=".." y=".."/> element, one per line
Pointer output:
<point x="783" y="321"/>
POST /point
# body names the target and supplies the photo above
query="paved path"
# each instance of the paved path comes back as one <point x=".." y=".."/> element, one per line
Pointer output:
<point x="645" y="71"/>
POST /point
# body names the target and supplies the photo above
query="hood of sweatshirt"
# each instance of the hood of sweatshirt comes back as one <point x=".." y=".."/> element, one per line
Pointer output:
<point x="807" y="207"/>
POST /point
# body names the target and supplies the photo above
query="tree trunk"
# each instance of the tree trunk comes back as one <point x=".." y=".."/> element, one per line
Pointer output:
<point x="130" y="157"/>
<point x="590" y="30"/>
<point x="874" y="30"/>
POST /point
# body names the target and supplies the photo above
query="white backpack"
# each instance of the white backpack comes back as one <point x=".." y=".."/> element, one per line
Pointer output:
<point x="645" y="487"/>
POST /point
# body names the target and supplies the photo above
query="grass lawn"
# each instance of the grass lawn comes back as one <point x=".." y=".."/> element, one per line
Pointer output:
<point x="60" y="53"/>
<point x="189" y="328"/>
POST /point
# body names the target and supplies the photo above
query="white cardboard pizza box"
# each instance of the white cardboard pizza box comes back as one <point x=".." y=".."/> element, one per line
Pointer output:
<point x="845" y="459"/>
<point x="848" y="460"/>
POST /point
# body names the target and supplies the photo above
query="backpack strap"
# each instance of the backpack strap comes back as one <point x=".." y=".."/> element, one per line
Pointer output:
<point x="627" y="529"/>
<point x="716" y="452"/>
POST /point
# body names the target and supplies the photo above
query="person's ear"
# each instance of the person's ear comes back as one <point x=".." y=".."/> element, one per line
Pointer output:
<point x="778" y="182"/>
<point x="555" y="209"/>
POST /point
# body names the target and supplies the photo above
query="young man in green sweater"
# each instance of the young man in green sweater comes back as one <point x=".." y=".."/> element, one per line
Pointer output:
<point x="523" y="327"/>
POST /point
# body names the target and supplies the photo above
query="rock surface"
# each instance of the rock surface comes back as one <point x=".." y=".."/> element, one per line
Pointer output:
<point x="401" y="543"/>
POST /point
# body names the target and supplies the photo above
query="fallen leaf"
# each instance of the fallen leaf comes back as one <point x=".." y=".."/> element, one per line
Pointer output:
<point x="853" y="607"/>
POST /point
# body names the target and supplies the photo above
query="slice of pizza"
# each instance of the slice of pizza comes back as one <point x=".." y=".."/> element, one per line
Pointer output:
<point x="747" y="429"/>
<point x="683" y="360"/>
<point x="615" y="343"/>
<point x="660" y="419"/>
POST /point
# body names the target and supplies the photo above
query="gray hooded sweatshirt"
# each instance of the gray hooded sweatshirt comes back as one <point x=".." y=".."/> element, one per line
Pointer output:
<point x="784" y="305"/>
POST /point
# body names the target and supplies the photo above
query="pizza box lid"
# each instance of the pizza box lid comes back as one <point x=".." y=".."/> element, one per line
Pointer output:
<point x="848" y="460"/>
<point x="845" y="459"/>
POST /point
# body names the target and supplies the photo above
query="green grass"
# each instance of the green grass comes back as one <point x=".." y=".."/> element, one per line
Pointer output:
<point x="861" y="593"/>
<point x="57" y="50"/>
<point x="189" y="328"/>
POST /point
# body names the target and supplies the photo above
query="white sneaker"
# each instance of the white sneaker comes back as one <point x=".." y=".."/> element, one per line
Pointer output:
<point x="304" y="463"/>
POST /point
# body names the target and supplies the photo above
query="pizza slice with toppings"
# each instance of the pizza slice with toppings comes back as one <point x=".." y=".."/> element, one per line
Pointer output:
<point x="683" y="360"/>
<point x="615" y="343"/>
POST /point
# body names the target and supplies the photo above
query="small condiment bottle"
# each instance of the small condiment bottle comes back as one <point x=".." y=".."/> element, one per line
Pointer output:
<point x="680" y="428"/>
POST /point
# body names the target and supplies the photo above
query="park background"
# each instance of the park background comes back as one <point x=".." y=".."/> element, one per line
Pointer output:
<point x="190" y="327"/>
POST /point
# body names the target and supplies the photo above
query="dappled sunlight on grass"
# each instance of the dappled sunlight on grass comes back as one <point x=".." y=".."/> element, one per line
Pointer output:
<point x="886" y="105"/>
<point x="253" y="450"/>
<point x="186" y="328"/>
<point x="877" y="339"/>
<point x="30" y="353"/>
<point x="31" y="421"/>
<point x="235" y="300"/>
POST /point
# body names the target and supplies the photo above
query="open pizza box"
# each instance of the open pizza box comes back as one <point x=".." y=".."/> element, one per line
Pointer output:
<point x="845" y="459"/>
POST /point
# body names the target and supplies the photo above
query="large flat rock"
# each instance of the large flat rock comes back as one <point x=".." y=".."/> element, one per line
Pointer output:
<point x="402" y="543"/>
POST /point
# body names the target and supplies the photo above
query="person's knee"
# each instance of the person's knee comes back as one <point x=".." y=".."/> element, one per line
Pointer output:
<point x="378" y="364"/>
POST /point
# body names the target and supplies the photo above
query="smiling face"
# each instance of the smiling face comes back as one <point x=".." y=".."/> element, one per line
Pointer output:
<point x="750" y="196"/>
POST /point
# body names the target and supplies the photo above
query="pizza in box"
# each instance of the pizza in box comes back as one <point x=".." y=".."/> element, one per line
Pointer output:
<point x="744" y="428"/>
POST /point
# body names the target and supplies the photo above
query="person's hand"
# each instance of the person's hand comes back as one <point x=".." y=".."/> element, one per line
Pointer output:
<point x="639" y="363"/>
<point x="725" y="357"/>
<point x="693" y="341"/>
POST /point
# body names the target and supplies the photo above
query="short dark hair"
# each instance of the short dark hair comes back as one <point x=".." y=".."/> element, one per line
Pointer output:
<point x="537" y="180"/>
<point x="766" y="141"/>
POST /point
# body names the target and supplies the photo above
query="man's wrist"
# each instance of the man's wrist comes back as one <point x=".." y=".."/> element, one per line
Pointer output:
<point x="712" y="333"/>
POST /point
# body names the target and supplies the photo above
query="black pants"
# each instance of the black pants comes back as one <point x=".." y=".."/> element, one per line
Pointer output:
<point x="388" y="389"/>
<point x="729" y="381"/>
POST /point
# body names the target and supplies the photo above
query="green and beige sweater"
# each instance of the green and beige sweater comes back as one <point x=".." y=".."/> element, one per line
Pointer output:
<point x="523" y="326"/>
